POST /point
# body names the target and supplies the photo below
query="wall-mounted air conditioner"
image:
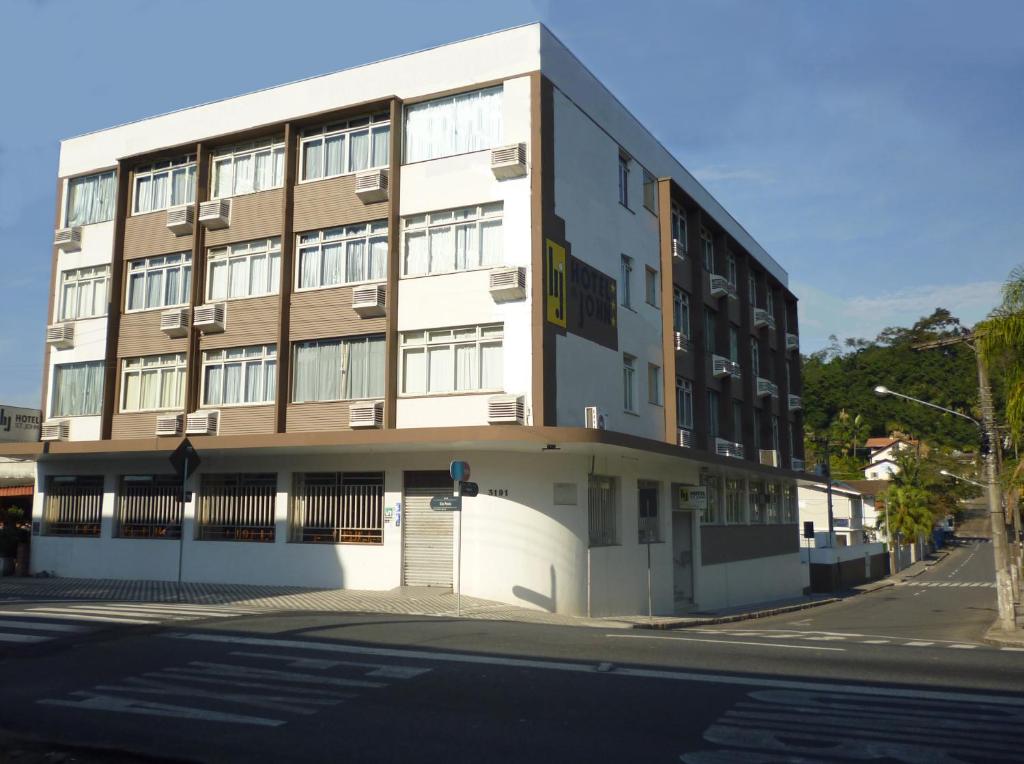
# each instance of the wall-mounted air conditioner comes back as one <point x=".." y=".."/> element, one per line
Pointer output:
<point x="506" y="409"/>
<point x="169" y="424"/>
<point x="795" y="403"/>
<point x="797" y="465"/>
<point x="202" y="423"/>
<point x="685" y="437"/>
<point x="723" y="367"/>
<point x="174" y="322"/>
<point x="769" y="457"/>
<point x="728" y="448"/>
<point x="792" y="341"/>
<point x="369" y="301"/>
<point x="55" y="429"/>
<point x="680" y="341"/>
<point x="215" y="214"/>
<point x="595" y="418"/>
<point x="678" y="250"/>
<point x="766" y="387"/>
<point x="366" y="414"/>
<point x="211" y="318"/>
<point x="68" y="239"/>
<point x="763" y="318"/>
<point x="508" y="284"/>
<point x="372" y="186"/>
<point x="719" y="286"/>
<point x="180" y="219"/>
<point x="61" y="336"/>
<point x="509" y="161"/>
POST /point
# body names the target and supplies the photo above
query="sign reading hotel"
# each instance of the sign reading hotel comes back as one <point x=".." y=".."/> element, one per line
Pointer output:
<point x="693" y="497"/>
<point x="19" y="424"/>
<point x="579" y="298"/>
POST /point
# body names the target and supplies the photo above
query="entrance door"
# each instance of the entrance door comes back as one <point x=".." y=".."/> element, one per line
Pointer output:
<point x="426" y="534"/>
<point x="682" y="560"/>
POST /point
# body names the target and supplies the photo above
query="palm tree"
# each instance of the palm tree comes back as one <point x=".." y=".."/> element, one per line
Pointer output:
<point x="907" y="515"/>
<point x="1000" y="340"/>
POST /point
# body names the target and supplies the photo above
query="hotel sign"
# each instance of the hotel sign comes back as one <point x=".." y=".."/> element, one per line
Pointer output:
<point x="693" y="497"/>
<point x="579" y="298"/>
<point x="19" y="424"/>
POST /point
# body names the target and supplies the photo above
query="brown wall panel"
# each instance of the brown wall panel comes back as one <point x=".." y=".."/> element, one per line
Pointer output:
<point x="318" y="417"/>
<point x="326" y="203"/>
<point x="246" y="420"/>
<point x="146" y="235"/>
<point x="140" y="335"/>
<point x="328" y="313"/>
<point x="732" y="543"/>
<point x="249" y="322"/>
<point x="253" y="216"/>
<point x="134" y="425"/>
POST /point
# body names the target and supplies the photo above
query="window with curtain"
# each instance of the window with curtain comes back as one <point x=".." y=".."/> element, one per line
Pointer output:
<point x="83" y="292"/>
<point x="454" y="240"/>
<point x="735" y="510"/>
<point x="90" y="199"/>
<point x="652" y="287"/>
<point x="731" y="269"/>
<point x="165" y="184"/>
<point x="626" y="281"/>
<point x="752" y="289"/>
<point x="248" y="168"/>
<point x="708" y="245"/>
<point x="713" y="485"/>
<point x="650" y="192"/>
<point x="153" y="383"/>
<point x="774" y="506"/>
<point x="338" y="369"/>
<point x="453" y="125"/>
<point x="628" y="382"/>
<point x="679" y="224"/>
<point x="159" y="282"/>
<point x="78" y="389"/>
<point x="246" y="269"/>
<point x="362" y="143"/>
<point x="240" y="376"/>
<point x="345" y="255"/>
<point x="757" y="496"/>
<point x="681" y="312"/>
<point x="684" y="403"/>
<point x="790" y="505"/>
<point x="654" y="384"/>
<point x="461" y="359"/>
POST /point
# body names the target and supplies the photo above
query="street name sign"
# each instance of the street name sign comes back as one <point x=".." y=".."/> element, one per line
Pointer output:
<point x="446" y="503"/>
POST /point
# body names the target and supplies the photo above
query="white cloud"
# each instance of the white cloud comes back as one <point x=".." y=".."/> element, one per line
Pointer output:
<point x="823" y="313"/>
<point x="720" y="173"/>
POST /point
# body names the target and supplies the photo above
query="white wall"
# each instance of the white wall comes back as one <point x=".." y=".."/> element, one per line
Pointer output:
<point x="763" y="579"/>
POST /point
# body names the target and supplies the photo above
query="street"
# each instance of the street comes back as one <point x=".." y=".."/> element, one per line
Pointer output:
<point x="897" y="675"/>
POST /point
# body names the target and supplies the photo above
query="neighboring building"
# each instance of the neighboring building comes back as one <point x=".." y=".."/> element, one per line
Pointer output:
<point x="17" y="473"/>
<point x="882" y="453"/>
<point x="337" y="286"/>
<point x="847" y="513"/>
<point x="872" y="494"/>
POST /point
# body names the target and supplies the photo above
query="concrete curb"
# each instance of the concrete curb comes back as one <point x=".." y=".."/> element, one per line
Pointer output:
<point x="999" y="638"/>
<point x="749" y="616"/>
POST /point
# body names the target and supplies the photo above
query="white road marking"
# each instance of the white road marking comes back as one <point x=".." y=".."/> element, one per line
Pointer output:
<point x="876" y="642"/>
<point x="963" y="647"/>
<point x="918" y="644"/>
<point x="56" y="613"/>
<point x="22" y="638"/>
<point x="724" y="642"/>
<point x="95" y="702"/>
<point x="112" y="612"/>
<point x="797" y="635"/>
<point x="41" y="626"/>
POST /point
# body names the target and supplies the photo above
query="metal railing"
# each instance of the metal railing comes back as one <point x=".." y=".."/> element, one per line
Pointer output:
<point x="338" y="508"/>
<point x="73" y="506"/>
<point x="149" y="507"/>
<point x="601" y="511"/>
<point x="237" y="507"/>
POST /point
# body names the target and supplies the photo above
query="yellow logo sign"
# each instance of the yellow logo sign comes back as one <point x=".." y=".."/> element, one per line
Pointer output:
<point x="554" y="283"/>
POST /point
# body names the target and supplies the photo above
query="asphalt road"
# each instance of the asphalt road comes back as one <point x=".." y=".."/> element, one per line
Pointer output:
<point x="236" y="686"/>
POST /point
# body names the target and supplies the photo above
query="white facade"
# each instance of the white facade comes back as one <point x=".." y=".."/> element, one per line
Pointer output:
<point x="847" y="514"/>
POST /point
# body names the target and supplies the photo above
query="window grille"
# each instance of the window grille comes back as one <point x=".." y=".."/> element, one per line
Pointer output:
<point x="338" y="508"/>
<point x="74" y="505"/>
<point x="149" y="507"/>
<point x="237" y="507"/>
<point x="602" y="511"/>
<point x="649" y="529"/>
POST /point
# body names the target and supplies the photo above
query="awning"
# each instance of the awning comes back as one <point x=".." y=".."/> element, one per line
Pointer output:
<point x="16" y="490"/>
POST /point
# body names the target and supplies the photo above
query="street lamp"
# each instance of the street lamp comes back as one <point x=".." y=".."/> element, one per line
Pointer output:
<point x="949" y="474"/>
<point x="882" y="391"/>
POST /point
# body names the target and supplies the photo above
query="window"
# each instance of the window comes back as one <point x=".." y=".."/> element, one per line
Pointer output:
<point x="626" y="280"/>
<point x="240" y="376"/>
<point x="602" y="511"/>
<point x="650" y="192"/>
<point x="681" y="312"/>
<point x="344" y="255"/>
<point x="624" y="180"/>
<point x="648" y="527"/>
<point x="248" y="167"/>
<point x="651" y="287"/>
<point x="153" y="383"/>
<point x="737" y="421"/>
<point x="654" y="391"/>
<point x="165" y="184"/>
<point x="789" y="381"/>
<point x="246" y="269"/>
<point x="460" y="359"/>
<point x="338" y="369"/>
<point x="90" y="199"/>
<point x="734" y="344"/>
<point x="709" y="330"/>
<point x="159" y="282"/>
<point x="790" y="508"/>
<point x="757" y="428"/>
<point x="236" y="507"/>
<point x="453" y="125"/>
<point x="730" y="269"/>
<point x="752" y="287"/>
<point x="73" y="505"/>
<point x="755" y="357"/>
<point x="356" y="144"/>
<point x="628" y="382"/>
<point x="708" y="245"/>
<point x="774" y="507"/>
<point x="679" y="224"/>
<point x="769" y="301"/>
<point x="78" y="389"/>
<point x="454" y="240"/>
<point x="734" y="509"/>
<point x="83" y="292"/>
<point x="684" y="403"/>
<point x="338" y="508"/>
<point x="149" y="507"/>
<point x="757" y="496"/>
<point x="713" y="429"/>
<point x="712" y="513"/>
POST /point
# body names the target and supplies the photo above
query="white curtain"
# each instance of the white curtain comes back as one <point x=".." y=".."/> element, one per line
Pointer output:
<point x="378" y="258"/>
<point x="335" y="155"/>
<point x="358" y="150"/>
<point x="312" y="159"/>
<point x="309" y="267"/>
<point x="149" y="397"/>
<point x="253" y="382"/>
<point x="90" y="199"/>
<point x="131" y="392"/>
<point x="381" y="144"/>
<point x="160" y="183"/>
<point x="467" y="248"/>
<point x="213" y="385"/>
<point x="218" y="279"/>
<point x="155" y="290"/>
<point x="416" y="253"/>
<point x="275" y="272"/>
<point x="270" y="380"/>
<point x="137" y="291"/>
<point x="492" y="375"/>
<point x="144" y="194"/>
<point x="414" y="370"/>
<point x="317" y="372"/>
<point x="99" y="297"/>
<point x="332" y="269"/>
<point x="354" y="260"/>
<point x="465" y="367"/>
<point x="222" y="178"/>
<point x="233" y="383"/>
<point x="239" y="277"/>
<point x="278" y="171"/>
<point x="180" y="181"/>
<point x="244" y="174"/>
<point x="442" y="249"/>
<point x="477" y="120"/>
<point x="258" y="274"/>
<point x="440" y="363"/>
<point x="172" y="294"/>
<point x="69" y="302"/>
<point x="364" y="368"/>
<point x="263" y="177"/>
<point x="79" y="388"/>
<point x="491" y="243"/>
<point x="172" y="387"/>
<point x="430" y="130"/>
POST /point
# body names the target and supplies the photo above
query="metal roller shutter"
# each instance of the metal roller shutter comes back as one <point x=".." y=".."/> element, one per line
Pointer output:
<point x="426" y="534"/>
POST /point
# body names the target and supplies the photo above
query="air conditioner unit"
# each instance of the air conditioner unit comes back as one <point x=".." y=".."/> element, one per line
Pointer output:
<point x="595" y="418"/>
<point x="685" y="437"/>
<point x="169" y="424"/>
<point x="763" y="318"/>
<point x="506" y="409"/>
<point x="723" y="367"/>
<point x="769" y="457"/>
<point x="728" y="448"/>
<point x="174" y="323"/>
<point x="210" y="319"/>
<point x="719" y="286"/>
<point x="508" y="284"/>
<point x="61" y="336"/>
<point x="680" y="341"/>
<point x="215" y="214"/>
<point x="797" y="465"/>
<point x="202" y="423"/>
<point x="792" y="341"/>
<point x="372" y="186"/>
<point x="68" y="239"/>
<point x="678" y="250"/>
<point x="55" y="429"/>
<point x="795" y="403"/>
<point x="509" y="161"/>
<point x="766" y="387"/>
<point x="366" y="414"/>
<point x="369" y="301"/>
<point x="180" y="219"/>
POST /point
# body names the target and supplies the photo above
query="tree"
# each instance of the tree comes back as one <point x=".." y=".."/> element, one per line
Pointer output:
<point x="1001" y="343"/>
<point x="908" y="515"/>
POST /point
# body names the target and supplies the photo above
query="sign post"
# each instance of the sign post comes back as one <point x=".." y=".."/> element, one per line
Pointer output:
<point x="184" y="459"/>
<point x="459" y="472"/>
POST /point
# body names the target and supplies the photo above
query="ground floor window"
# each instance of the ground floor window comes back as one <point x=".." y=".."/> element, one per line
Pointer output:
<point x="712" y="512"/>
<point x="237" y="507"/>
<point x="790" y="508"/>
<point x="734" y="509"/>
<point x="149" y="507"/>
<point x="757" y="501"/>
<point x="647" y="502"/>
<point x="602" y="511"/>
<point x="73" y="505"/>
<point x="338" y="508"/>
<point x="774" y="506"/>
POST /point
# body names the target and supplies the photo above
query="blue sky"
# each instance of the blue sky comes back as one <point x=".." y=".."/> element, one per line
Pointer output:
<point x="872" y="147"/>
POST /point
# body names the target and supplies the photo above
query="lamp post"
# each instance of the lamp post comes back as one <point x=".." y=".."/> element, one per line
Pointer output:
<point x="961" y="478"/>
<point x="1004" y="581"/>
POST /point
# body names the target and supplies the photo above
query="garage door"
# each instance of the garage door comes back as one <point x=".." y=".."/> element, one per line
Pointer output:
<point x="426" y="534"/>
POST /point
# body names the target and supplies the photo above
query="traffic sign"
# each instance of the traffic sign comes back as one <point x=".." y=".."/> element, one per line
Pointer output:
<point x="468" y="489"/>
<point x="459" y="470"/>
<point x="808" y="529"/>
<point x="184" y="459"/>
<point x="446" y="503"/>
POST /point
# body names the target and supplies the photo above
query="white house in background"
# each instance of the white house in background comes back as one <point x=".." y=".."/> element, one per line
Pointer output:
<point x="847" y="513"/>
<point x="882" y="457"/>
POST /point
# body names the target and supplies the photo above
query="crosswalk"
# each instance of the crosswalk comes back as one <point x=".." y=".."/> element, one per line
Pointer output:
<point x="951" y="584"/>
<point x="839" y="638"/>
